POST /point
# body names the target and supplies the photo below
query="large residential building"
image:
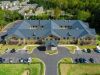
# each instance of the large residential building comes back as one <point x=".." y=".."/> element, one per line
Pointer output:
<point x="49" y="33"/>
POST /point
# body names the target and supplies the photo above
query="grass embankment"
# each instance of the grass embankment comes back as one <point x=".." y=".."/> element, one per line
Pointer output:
<point x="17" y="47"/>
<point x="35" y="68"/>
<point x="66" y="67"/>
<point x="5" y="47"/>
<point x="80" y="69"/>
<point x="51" y="52"/>
<point x="66" y="60"/>
<point x="30" y="48"/>
<point x="98" y="39"/>
<point x="18" y="69"/>
<point x="87" y="47"/>
<point x="71" y="48"/>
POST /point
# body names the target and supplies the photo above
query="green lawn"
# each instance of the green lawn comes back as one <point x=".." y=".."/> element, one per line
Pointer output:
<point x="5" y="47"/>
<point x="18" y="69"/>
<point x="30" y="48"/>
<point x="66" y="60"/>
<point x="97" y="39"/>
<point x="79" y="69"/>
<point x="71" y="48"/>
<point x="51" y="52"/>
<point x="88" y="46"/>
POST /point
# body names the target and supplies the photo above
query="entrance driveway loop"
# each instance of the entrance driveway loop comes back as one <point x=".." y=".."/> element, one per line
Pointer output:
<point x="51" y="61"/>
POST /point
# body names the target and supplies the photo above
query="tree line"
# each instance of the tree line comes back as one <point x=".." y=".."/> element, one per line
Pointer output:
<point x="86" y="10"/>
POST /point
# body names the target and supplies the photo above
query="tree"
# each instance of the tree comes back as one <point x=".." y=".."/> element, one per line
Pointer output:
<point x="57" y="13"/>
<point x="21" y="1"/>
<point x="83" y="15"/>
<point x="73" y="3"/>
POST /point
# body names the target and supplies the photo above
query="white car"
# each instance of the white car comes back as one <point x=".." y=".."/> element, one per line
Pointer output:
<point x="29" y="59"/>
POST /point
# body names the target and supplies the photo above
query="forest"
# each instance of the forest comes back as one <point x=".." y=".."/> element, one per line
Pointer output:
<point x="85" y="10"/>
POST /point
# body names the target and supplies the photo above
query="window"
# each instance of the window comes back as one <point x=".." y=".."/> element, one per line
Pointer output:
<point x="36" y="26"/>
<point x="33" y="27"/>
<point x="69" y="27"/>
<point x="64" y="37"/>
<point x="61" y="26"/>
<point x="28" y="37"/>
<point x="21" y="38"/>
<point x="66" y="27"/>
<point x="58" y="38"/>
<point x="38" y="38"/>
<point x="33" y="34"/>
<point x="68" y="34"/>
<point x="42" y="26"/>
<point x="67" y="38"/>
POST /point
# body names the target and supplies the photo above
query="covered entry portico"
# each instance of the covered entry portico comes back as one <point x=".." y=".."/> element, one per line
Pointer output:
<point x="51" y="45"/>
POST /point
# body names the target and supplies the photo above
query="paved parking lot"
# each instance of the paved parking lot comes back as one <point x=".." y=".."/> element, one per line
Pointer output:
<point x="87" y="56"/>
<point x="15" y="56"/>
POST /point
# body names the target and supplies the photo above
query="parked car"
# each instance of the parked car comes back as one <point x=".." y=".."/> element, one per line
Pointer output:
<point x="2" y="60"/>
<point x="97" y="51"/>
<point x="21" y="60"/>
<point x="88" y="50"/>
<point x="10" y="61"/>
<point x="84" y="50"/>
<point x="12" y="51"/>
<point x="82" y="60"/>
<point x="91" y="60"/>
<point x="25" y="60"/>
<point x="29" y="59"/>
<point x="76" y="60"/>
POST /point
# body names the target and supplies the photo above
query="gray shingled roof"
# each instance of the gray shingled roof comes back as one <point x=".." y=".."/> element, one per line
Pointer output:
<point x="50" y="27"/>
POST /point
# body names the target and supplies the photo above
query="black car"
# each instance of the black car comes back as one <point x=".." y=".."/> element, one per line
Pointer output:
<point x="88" y="50"/>
<point x="91" y="60"/>
<point x="82" y="60"/>
<point x="2" y="60"/>
<point x="25" y="60"/>
<point x="13" y="51"/>
<point x="76" y="60"/>
<point x="84" y="50"/>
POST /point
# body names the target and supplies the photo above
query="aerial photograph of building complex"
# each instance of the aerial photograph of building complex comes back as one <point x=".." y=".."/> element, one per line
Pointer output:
<point x="49" y="37"/>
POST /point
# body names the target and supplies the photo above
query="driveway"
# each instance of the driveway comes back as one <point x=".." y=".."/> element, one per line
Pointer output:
<point x="51" y="60"/>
